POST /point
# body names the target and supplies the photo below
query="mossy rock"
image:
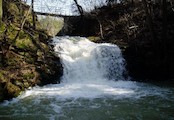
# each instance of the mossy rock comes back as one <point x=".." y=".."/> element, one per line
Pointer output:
<point x="26" y="84"/>
<point x="2" y="29"/>
<point x="19" y="83"/>
<point x="29" y="58"/>
<point x="40" y="53"/>
<point x="14" y="60"/>
<point x="25" y="43"/>
<point x="11" y="33"/>
<point x="94" y="38"/>
<point x="45" y="47"/>
<point x="12" y="90"/>
<point x="3" y="79"/>
<point x="28" y="76"/>
<point x="22" y="68"/>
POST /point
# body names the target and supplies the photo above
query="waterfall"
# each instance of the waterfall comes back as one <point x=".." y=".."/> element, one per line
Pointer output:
<point x="90" y="70"/>
<point x="84" y="61"/>
<point x="92" y="88"/>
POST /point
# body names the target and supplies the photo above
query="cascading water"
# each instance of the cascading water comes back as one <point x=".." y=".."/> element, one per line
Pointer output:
<point x="85" y="61"/>
<point x="90" y="69"/>
<point x="92" y="88"/>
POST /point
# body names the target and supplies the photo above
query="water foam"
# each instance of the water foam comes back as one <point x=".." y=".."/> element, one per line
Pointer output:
<point x="85" y="61"/>
<point x="92" y="81"/>
<point x="91" y="70"/>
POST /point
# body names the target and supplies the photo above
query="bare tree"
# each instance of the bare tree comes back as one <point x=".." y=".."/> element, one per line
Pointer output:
<point x="80" y="9"/>
<point x="33" y="16"/>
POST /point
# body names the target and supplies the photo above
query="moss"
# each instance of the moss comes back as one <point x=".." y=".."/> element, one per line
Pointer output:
<point x="3" y="79"/>
<point x="45" y="47"/>
<point x="29" y="58"/>
<point x="94" y="38"/>
<point x="12" y="90"/>
<point x="13" y="9"/>
<point x="13" y="60"/>
<point x="1" y="75"/>
<point x="40" y="53"/>
<point x="24" y="60"/>
<point x="2" y="28"/>
<point x="11" y="33"/>
<point x="25" y="43"/>
<point x="28" y="76"/>
<point x="26" y="84"/>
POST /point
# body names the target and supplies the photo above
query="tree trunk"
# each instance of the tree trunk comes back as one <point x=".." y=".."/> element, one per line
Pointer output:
<point x="80" y="9"/>
<point x="33" y="16"/>
<point x="1" y="11"/>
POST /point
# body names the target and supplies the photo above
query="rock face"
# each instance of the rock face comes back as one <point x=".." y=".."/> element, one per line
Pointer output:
<point x="26" y="59"/>
<point x="148" y="56"/>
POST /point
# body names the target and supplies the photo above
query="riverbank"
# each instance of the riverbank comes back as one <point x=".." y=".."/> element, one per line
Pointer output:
<point x="26" y="59"/>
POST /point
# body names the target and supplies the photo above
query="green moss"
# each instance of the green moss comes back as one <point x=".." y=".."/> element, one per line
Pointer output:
<point x="29" y="59"/>
<point x="12" y="89"/>
<point x="11" y="33"/>
<point x="94" y="38"/>
<point x="26" y="84"/>
<point x="13" y="9"/>
<point x="28" y="76"/>
<point x="39" y="53"/>
<point x="2" y="77"/>
<point x="22" y="68"/>
<point x="2" y="28"/>
<point x="45" y="47"/>
<point x="19" y="83"/>
<point x="13" y="60"/>
<point x="25" y="43"/>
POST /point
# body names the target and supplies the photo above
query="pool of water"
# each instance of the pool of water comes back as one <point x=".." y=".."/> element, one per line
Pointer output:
<point x="143" y="102"/>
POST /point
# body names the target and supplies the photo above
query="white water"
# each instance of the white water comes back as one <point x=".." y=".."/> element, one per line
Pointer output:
<point x="92" y="88"/>
<point x="85" y="61"/>
<point x="91" y="71"/>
